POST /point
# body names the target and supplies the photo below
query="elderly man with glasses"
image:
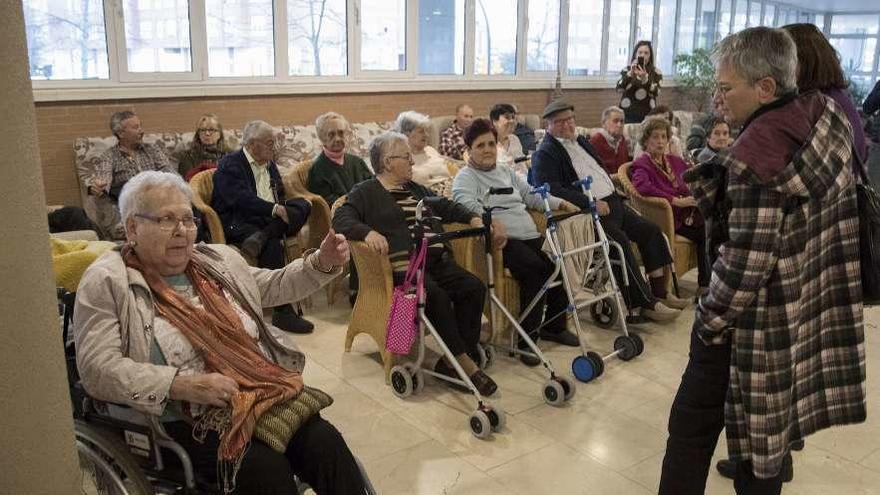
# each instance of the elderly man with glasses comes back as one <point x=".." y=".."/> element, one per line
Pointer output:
<point x="777" y="350"/>
<point x="256" y="214"/>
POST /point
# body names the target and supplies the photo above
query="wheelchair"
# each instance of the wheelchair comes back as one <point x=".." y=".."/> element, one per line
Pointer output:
<point x="134" y="456"/>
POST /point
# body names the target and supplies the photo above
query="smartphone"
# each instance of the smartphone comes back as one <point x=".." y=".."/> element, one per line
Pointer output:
<point x="641" y="61"/>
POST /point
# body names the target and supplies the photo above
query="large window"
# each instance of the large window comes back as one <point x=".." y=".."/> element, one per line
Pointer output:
<point x="854" y="24"/>
<point x="724" y="18"/>
<point x="754" y="13"/>
<point x="543" y="35"/>
<point x="584" y="40"/>
<point x="495" y="28"/>
<point x="240" y="38"/>
<point x="708" y="26"/>
<point x="645" y="20"/>
<point x="664" y="46"/>
<point x="741" y="16"/>
<point x="769" y="14"/>
<point x="157" y="37"/>
<point x="317" y="37"/>
<point x="383" y="35"/>
<point x="441" y="37"/>
<point x="687" y="19"/>
<point x="66" y="40"/>
<point x="618" y="36"/>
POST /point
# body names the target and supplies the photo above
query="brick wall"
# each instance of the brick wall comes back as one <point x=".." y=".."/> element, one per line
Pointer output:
<point x="58" y="124"/>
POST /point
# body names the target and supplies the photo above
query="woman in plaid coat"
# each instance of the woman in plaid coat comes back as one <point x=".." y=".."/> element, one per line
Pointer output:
<point x="777" y="351"/>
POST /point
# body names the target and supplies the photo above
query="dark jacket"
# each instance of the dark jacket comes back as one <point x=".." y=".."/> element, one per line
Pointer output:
<point x="235" y="194"/>
<point x="332" y="181"/>
<point x="872" y="102"/>
<point x="551" y="164"/>
<point x="370" y="206"/>
<point x="785" y="291"/>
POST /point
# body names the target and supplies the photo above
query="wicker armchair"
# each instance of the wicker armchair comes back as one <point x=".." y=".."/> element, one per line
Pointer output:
<point x="296" y="185"/>
<point x="659" y="211"/>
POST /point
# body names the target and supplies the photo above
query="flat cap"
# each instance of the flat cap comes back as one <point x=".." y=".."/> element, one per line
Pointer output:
<point x="556" y="106"/>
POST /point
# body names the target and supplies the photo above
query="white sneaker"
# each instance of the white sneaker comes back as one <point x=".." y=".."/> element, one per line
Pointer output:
<point x="661" y="312"/>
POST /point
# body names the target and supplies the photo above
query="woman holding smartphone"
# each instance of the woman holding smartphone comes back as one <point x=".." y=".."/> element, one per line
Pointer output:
<point x="639" y="83"/>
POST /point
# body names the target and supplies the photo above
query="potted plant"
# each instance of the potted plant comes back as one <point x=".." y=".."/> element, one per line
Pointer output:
<point x="695" y="74"/>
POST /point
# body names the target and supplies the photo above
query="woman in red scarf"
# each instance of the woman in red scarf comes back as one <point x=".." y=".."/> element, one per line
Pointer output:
<point x="176" y="330"/>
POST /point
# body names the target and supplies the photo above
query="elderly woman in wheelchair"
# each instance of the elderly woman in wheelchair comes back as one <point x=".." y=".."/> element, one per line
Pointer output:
<point x="381" y="212"/>
<point x="176" y="331"/>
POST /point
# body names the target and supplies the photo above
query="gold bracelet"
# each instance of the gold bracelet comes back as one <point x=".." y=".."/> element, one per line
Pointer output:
<point x="315" y="261"/>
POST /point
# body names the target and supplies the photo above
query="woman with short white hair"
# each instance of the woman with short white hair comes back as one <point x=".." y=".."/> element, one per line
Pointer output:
<point x="334" y="172"/>
<point x="430" y="168"/>
<point x="176" y="330"/>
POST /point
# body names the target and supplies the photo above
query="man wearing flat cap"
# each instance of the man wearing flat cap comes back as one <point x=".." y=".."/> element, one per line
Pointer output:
<point x="563" y="158"/>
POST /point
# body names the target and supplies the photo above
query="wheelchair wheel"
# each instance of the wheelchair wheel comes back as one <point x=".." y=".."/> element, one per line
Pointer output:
<point x="604" y="314"/>
<point x="107" y="466"/>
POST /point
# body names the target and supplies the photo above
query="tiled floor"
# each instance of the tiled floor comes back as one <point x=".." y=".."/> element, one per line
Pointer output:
<point x="608" y="440"/>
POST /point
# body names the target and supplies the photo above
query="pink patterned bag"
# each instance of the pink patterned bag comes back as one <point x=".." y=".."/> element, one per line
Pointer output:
<point x="403" y="319"/>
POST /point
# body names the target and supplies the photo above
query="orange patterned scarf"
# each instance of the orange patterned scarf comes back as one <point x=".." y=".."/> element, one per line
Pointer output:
<point x="219" y="337"/>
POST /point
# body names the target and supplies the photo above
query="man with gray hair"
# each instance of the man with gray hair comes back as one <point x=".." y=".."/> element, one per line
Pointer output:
<point x="452" y="138"/>
<point x="250" y="199"/>
<point x="777" y="349"/>
<point x="609" y="142"/>
<point x="116" y="166"/>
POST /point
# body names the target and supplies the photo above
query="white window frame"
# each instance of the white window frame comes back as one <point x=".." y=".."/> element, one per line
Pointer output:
<point x="542" y="74"/>
<point x="412" y="37"/>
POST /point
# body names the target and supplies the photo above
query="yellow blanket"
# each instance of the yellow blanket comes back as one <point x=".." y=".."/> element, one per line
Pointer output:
<point x="71" y="258"/>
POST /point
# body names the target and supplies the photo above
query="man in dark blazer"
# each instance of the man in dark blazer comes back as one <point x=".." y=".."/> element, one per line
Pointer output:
<point x="563" y="158"/>
<point x="249" y="197"/>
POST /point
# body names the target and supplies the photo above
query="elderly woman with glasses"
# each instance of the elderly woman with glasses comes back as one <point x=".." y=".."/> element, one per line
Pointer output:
<point x="207" y="147"/>
<point x="176" y="330"/>
<point x="430" y="169"/>
<point x="334" y="171"/>
<point x="381" y="212"/>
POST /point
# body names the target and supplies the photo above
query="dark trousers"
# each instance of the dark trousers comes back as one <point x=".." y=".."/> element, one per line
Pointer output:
<point x="317" y="454"/>
<point x="697" y="235"/>
<point x="454" y="300"/>
<point x="696" y="420"/>
<point x="276" y="230"/>
<point x="623" y="225"/>
<point x="531" y="268"/>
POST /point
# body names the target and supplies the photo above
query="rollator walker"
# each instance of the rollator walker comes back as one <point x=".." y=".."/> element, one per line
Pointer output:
<point x="408" y="378"/>
<point x="605" y="300"/>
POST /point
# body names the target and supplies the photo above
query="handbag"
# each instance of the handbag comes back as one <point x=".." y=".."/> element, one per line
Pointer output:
<point x="869" y="235"/>
<point x="403" y="317"/>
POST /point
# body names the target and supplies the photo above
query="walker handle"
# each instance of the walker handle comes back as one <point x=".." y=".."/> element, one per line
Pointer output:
<point x="585" y="183"/>
<point x="543" y="190"/>
<point x="500" y="190"/>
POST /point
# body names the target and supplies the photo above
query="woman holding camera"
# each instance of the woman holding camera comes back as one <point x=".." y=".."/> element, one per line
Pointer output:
<point x="640" y="84"/>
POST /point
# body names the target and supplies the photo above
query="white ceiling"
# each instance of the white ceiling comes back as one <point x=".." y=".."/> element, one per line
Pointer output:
<point x="837" y="5"/>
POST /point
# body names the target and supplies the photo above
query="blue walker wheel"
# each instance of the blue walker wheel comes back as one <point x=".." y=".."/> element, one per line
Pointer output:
<point x="583" y="369"/>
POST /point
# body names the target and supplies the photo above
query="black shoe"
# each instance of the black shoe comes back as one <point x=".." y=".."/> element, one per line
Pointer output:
<point x="797" y="446"/>
<point x="636" y="319"/>
<point x="253" y="245"/>
<point x="442" y="368"/>
<point x="287" y="319"/>
<point x="561" y="336"/>
<point x="484" y="384"/>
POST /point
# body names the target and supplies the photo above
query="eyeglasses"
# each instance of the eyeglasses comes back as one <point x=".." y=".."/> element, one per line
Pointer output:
<point x="564" y="120"/>
<point x="408" y="157"/>
<point x="209" y="131"/>
<point x="169" y="223"/>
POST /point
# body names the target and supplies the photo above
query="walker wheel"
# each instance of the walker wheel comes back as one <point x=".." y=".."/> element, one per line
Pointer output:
<point x="640" y="344"/>
<point x="626" y="347"/>
<point x="401" y="382"/>
<point x="567" y="386"/>
<point x="481" y="427"/>
<point x="583" y="369"/>
<point x="497" y="418"/>
<point x="554" y="394"/>
<point x="598" y="362"/>
<point x="418" y="379"/>
<point x="604" y="314"/>
<point x="487" y="356"/>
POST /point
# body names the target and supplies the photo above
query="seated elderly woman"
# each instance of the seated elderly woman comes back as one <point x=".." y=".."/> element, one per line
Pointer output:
<point x="334" y="171"/>
<point x="658" y="174"/>
<point x="207" y="147"/>
<point x="503" y="117"/>
<point x="430" y="169"/>
<point x="381" y="212"/>
<point x="522" y="252"/>
<point x="177" y="331"/>
<point x="662" y="112"/>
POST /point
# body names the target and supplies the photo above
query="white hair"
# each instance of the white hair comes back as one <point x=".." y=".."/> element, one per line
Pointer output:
<point x="379" y="148"/>
<point x="324" y="119"/>
<point x="133" y="198"/>
<point x="608" y="111"/>
<point x="759" y="52"/>
<point x="254" y="130"/>
<point x="409" y="121"/>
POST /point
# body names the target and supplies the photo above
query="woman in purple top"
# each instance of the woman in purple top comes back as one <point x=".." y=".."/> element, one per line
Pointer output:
<point x="819" y="69"/>
<point x="657" y="173"/>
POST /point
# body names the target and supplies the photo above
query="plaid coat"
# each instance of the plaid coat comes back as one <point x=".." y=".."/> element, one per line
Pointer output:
<point x="782" y="226"/>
